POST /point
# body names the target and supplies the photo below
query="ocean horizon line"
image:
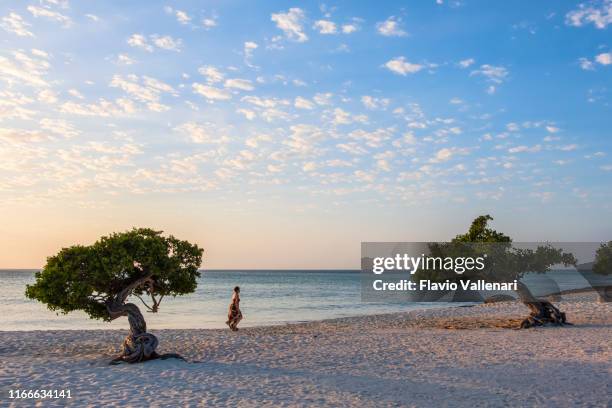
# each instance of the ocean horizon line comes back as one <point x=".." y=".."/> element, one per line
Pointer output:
<point x="225" y="270"/>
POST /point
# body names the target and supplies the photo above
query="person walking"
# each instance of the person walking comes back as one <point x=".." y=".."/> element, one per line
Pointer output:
<point x="234" y="315"/>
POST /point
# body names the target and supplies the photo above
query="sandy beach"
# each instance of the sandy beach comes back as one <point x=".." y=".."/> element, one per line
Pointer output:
<point x="444" y="357"/>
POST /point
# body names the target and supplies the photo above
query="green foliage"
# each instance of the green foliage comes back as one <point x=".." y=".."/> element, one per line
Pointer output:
<point x="504" y="262"/>
<point x="86" y="277"/>
<point x="603" y="259"/>
<point x="479" y="232"/>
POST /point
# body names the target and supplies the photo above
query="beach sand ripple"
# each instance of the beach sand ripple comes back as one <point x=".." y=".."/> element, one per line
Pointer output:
<point x="438" y="357"/>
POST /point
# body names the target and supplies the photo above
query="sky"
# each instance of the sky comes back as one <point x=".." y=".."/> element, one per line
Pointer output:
<point x="283" y="134"/>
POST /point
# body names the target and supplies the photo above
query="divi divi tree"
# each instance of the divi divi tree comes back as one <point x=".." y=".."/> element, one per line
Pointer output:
<point x="504" y="263"/>
<point x="98" y="279"/>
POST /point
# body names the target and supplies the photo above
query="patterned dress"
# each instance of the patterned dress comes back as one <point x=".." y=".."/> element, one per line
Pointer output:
<point x="234" y="315"/>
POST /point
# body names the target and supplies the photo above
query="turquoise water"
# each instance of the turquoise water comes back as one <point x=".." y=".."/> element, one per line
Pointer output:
<point x="267" y="298"/>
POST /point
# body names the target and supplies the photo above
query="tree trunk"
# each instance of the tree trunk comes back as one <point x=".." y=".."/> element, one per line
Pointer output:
<point x="139" y="345"/>
<point x="542" y="311"/>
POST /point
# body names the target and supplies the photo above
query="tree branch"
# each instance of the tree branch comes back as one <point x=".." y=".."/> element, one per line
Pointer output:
<point x="156" y="302"/>
<point x="144" y="303"/>
<point x="115" y="306"/>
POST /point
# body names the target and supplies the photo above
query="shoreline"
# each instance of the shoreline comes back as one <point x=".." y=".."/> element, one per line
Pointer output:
<point x="444" y="356"/>
<point x="263" y="326"/>
<point x="572" y="293"/>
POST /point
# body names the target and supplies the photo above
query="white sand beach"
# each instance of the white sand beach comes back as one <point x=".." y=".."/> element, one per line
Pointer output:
<point x="402" y="359"/>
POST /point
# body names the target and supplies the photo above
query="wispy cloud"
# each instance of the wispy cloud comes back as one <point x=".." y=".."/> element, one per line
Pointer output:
<point x="14" y="23"/>
<point x="597" y="12"/>
<point x="151" y="42"/>
<point x="50" y="15"/>
<point x="291" y="24"/>
<point x="403" y="67"/>
<point x="391" y="27"/>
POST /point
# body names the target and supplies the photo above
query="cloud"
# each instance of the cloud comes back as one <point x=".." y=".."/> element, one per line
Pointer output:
<point x="59" y="127"/>
<point x="342" y="117"/>
<point x="323" y="98"/>
<point x="102" y="108"/>
<point x="409" y="138"/>
<point x="352" y="148"/>
<point x="597" y="12"/>
<point x="513" y="127"/>
<point x="198" y="133"/>
<point x="47" y="96"/>
<point x="309" y="166"/>
<point x="400" y="66"/>
<point x="139" y="41"/>
<point x="75" y="93"/>
<point x="586" y="64"/>
<point x="145" y="89"/>
<point x="248" y="114"/>
<point x="16" y="136"/>
<point x="209" y="23"/>
<point x="466" y="62"/>
<point x="374" y="138"/>
<point x="604" y="58"/>
<point x="242" y="84"/>
<point x="364" y="176"/>
<point x="302" y="103"/>
<point x="124" y="59"/>
<point x="211" y="93"/>
<point x="350" y="28"/>
<point x="164" y="42"/>
<point x="212" y="74"/>
<point x="291" y="24"/>
<point x="371" y="102"/>
<point x="57" y="3"/>
<point x="552" y="129"/>
<point x="492" y="73"/>
<point x="303" y="140"/>
<point x="182" y="17"/>
<point x="50" y="14"/>
<point x="24" y="69"/>
<point x="249" y="48"/>
<point x="525" y="149"/>
<point x="13" y="23"/>
<point x="446" y="154"/>
<point x="264" y="102"/>
<point x="391" y="27"/>
<point x="39" y="53"/>
<point x="568" y="148"/>
<point x="325" y="27"/>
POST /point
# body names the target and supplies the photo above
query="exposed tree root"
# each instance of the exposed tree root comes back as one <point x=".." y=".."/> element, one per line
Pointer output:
<point x="543" y="313"/>
<point x="139" y="345"/>
<point x="121" y="359"/>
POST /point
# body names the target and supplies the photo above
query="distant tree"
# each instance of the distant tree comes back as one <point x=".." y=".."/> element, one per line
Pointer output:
<point x="603" y="266"/>
<point x="98" y="280"/>
<point x="504" y="263"/>
<point x="603" y="259"/>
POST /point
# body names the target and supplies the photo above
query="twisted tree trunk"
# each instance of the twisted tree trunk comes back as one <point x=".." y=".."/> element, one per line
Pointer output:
<point x="542" y="311"/>
<point x="139" y="345"/>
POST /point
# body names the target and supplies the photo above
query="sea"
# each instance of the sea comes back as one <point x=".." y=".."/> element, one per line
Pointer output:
<point x="268" y="297"/>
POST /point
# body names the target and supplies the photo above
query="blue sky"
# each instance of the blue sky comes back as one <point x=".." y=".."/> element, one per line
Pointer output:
<point x="281" y="134"/>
